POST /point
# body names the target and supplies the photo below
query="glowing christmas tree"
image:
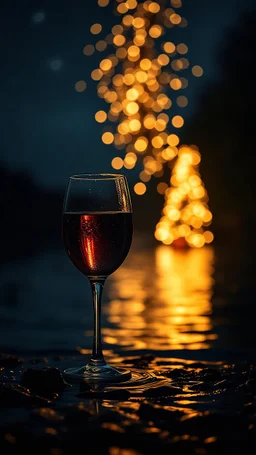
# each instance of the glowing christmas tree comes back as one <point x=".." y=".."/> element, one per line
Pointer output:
<point x="186" y="213"/>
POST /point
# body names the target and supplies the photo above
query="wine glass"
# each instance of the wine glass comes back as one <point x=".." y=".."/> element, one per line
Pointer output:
<point x="97" y="233"/>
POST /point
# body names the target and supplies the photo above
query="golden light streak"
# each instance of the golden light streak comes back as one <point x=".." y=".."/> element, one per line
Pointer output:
<point x="87" y="243"/>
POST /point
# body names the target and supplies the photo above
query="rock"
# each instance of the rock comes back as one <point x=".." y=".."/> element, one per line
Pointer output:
<point x="47" y="380"/>
<point x="47" y="414"/>
<point x="197" y="365"/>
<point x="106" y="395"/>
<point x="85" y="387"/>
<point x="251" y="384"/>
<point x="10" y="361"/>
<point x="175" y="373"/>
<point x="40" y="360"/>
<point x="15" y="396"/>
<point x="162" y="391"/>
<point x="217" y="423"/>
<point x="157" y="414"/>
<point x="224" y="384"/>
<point x="248" y="387"/>
<point x="210" y="375"/>
<point x="201" y="387"/>
<point x="77" y="419"/>
<point x="6" y="378"/>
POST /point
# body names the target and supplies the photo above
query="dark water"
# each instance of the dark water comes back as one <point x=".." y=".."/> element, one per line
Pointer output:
<point x="181" y="321"/>
<point x="195" y="304"/>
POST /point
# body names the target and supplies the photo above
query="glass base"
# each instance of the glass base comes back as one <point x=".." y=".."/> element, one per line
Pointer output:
<point x="97" y="372"/>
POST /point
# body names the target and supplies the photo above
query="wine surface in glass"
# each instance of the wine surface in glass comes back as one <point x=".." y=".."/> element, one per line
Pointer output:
<point x="97" y="242"/>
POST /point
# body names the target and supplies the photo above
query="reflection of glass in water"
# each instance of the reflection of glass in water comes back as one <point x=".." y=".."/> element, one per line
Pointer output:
<point x="162" y="301"/>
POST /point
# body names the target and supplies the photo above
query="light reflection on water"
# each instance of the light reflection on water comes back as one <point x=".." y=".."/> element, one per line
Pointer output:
<point x="160" y="299"/>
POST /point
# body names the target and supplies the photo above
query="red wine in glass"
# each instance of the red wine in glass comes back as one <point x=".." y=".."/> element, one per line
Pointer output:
<point x="97" y="243"/>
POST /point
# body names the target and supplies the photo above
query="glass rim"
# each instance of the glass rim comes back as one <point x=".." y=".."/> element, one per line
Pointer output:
<point x="99" y="176"/>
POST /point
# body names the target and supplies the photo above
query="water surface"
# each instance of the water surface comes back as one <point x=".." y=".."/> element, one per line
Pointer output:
<point x="189" y="303"/>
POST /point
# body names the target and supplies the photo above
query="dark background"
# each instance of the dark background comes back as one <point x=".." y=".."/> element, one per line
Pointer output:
<point x="48" y="132"/>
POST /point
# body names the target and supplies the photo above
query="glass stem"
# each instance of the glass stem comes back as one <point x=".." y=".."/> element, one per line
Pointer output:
<point x="97" y="357"/>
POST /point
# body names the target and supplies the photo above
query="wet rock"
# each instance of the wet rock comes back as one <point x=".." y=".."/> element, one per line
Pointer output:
<point x="47" y="414"/>
<point x="224" y="384"/>
<point x="47" y="380"/>
<point x="6" y="378"/>
<point x="175" y="373"/>
<point x="112" y="426"/>
<point x="162" y="391"/>
<point x="156" y="413"/>
<point x="201" y="387"/>
<point x="110" y="416"/>
<point x="247" y="387"/>
<point x="217" y="423"/>
<point x="14" y="396"/>
<point x="40" y="360"/>
<point x="106" y="395"/>
<point x="9" y="437"/>
<point x="210" y="375"/>
<point x="181" y="422"/>
<point x="251" y="384"/>
<point x="197" y="365"/>
<point x="85" y="387"/>
<point x="41" y="441"/>
<point x="250" y="408"/>
<point x="10" y="361"/>
<point x="77" y="415"/>
<point x="58" y="357"/>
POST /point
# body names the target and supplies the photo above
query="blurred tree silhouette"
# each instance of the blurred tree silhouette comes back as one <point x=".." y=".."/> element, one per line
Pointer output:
<point x="224" y="130"/>
<point x="31" y="216"/>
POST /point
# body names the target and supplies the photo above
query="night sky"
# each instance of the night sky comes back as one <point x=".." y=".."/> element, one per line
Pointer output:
<point x="47" y="127"/>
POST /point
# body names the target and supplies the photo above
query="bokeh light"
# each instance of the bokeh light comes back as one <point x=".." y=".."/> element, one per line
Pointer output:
<point x="117" y="163"/>
<point x="103" y="2"/>
<point x="100" y="116"/>
<point x="197" y="71"/>
<point x="38" y="17"/>
<point x="80" y="86"/>
<point x="101" y="45"/>
<point x="182" y="101"/>
<point x="96" y="29"/>
<point x="140" y="188"/>
<point x="107" y="138"/>
<point x="56" y="64"/>
<point x="140" y="80"/>
<point x="88" y="49"/>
